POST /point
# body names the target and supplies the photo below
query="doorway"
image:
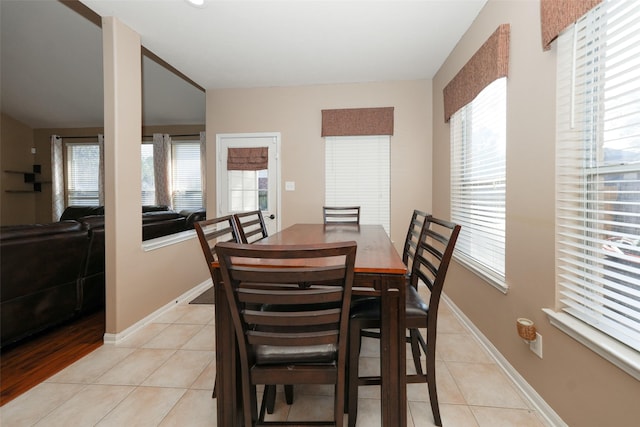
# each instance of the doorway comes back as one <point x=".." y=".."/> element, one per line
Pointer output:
<point x="253" y="184"/>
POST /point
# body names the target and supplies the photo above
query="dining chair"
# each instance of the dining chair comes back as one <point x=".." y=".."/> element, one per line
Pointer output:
<point x="250" y="226"/>
<point x="210" y="232"/>
<point x="341" y="214"/>
<point x="408" y="252"/>
<point x="430" y="264"/>
<point x="299" y="333"/>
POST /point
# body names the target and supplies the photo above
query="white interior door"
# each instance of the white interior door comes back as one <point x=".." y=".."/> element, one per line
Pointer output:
<point x="248" y="190"/>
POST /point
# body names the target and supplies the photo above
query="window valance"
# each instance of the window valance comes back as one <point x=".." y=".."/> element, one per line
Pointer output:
<point x="357" y="121"/>
<point x="556" y="15"/>
<point x="489" y="63"/>
<point x="247" y="159"/>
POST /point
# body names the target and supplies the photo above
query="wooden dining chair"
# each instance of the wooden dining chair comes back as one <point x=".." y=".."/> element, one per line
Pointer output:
<point x="250" y="226"/>
<point x="341" y="214"/>
<point x="299" y="334"/>
<point x="408" y="252"/>
<point x="210" y="232"/>
<point x="430" y="264"/>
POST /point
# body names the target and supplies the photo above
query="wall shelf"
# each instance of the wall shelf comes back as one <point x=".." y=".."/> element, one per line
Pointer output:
<point x="29" y="178"/>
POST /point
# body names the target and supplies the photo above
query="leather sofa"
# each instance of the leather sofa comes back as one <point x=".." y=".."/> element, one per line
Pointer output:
<point x="51" y="273"/>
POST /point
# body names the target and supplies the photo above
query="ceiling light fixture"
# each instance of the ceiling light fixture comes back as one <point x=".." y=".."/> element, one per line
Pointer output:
<point x="198" y="3"/>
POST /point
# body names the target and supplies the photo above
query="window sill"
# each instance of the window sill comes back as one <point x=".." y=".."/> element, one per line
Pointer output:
<point x="484" y="274"/>
<point x="615" y="352"/>
<point x="172" y="239"/>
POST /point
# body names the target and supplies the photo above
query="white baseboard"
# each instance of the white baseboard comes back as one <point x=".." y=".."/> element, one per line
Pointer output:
<point x="113" y="339"/>
<point x="545" y="411"/>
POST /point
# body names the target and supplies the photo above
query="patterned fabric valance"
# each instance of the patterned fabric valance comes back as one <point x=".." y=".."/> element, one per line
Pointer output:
<point x="247" y="159"/>
<point x="357" y="121"/>
<point x="489" y="63"/>
<point x="556" y="15"/>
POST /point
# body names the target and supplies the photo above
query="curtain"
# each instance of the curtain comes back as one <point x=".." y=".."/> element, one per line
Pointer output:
<point x="556" y="15"/>
<point x="489" y="63"/>
<point x="247" y="159"/>
<point x="57" y="178"/>
<point x="203" y="166"/>
<point x="161" y="168"/>
<point x="357" y="121"/>
<point x="101" y="170"/>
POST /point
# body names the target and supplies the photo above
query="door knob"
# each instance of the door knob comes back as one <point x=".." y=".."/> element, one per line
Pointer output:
<point x="272" y="216"/>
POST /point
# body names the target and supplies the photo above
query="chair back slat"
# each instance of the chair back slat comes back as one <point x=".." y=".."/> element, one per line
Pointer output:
<point x="290" y="275"/>
<point x="251" y="226"/>
<point x="413" y="237"/>
<point x="432" y="257"/>
<point x="313" y="295"/>
<point x="212" y="231"/>
<point x="295" y="318"/>
<point x="341" y="214"/>
<point x="293" y="339"/>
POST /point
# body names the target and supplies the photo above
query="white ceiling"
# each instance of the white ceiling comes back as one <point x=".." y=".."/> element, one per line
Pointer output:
<point x="223" y="44"/>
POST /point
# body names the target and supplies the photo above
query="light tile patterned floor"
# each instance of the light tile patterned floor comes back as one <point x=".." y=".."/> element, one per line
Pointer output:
<point x="163" y="374"/>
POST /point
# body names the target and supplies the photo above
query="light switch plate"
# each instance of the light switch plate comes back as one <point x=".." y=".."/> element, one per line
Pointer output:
<point x="290" y="186"/>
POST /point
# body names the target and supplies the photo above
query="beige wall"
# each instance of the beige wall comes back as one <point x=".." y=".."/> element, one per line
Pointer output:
<point x="584" y="389"/>
<point x="16" y="141"/>
<point x="295" y="112"/>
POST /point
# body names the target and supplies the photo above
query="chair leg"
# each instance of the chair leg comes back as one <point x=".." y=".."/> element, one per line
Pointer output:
<point x="338" y="405"/>
<point x="250" y="410"/>
<point x="415" y="350"/>
<point x="288" y="394"/>
<point x="354" y="356"/>
<point x="430" y="352"/>
<point x="433" y="393"/>
<point x="270" y="397"/>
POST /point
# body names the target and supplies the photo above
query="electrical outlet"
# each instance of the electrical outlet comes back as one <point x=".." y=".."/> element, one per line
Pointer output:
<point x="536" y="346"/>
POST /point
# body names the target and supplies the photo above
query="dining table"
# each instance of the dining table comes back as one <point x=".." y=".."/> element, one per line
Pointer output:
<point x="379" y="271"/>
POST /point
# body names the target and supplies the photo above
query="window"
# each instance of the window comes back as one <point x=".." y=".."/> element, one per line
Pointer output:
<point x="248" y="190"/>
<point x="185" y="172"/>
<point x="357" y="174"/>
<point x="478" y="182"/>
<point x="598" y="171"/>
<point x="186" y="178"/>
<point x="82" y="174"/>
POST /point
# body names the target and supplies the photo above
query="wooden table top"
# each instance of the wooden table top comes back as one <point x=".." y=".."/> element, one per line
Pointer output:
<point x="375" y="253"/>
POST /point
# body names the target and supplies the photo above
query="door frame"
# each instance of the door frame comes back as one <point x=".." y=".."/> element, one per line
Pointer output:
<point x="219" y="191"/>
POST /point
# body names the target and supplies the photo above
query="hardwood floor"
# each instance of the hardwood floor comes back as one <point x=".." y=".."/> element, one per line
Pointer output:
<point x="28" y="364"/>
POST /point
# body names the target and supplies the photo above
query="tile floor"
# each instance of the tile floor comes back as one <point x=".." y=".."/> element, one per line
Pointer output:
<point x="163" y="374"/>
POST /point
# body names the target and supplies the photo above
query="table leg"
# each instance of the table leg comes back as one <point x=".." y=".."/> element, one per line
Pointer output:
<point x="392" y="355"/>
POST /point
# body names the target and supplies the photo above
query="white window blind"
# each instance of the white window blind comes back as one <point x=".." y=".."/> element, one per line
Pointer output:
<point x="357" y="174"/>
<point x="478" y="182"/>
<point x="598" y="170"/>
<point x="186" y="176"/>
<point x="82" y="174"/>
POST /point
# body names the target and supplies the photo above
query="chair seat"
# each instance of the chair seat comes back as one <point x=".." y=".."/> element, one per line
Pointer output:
<point x="369" y="308"/>
<point x="312" y="354"/>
